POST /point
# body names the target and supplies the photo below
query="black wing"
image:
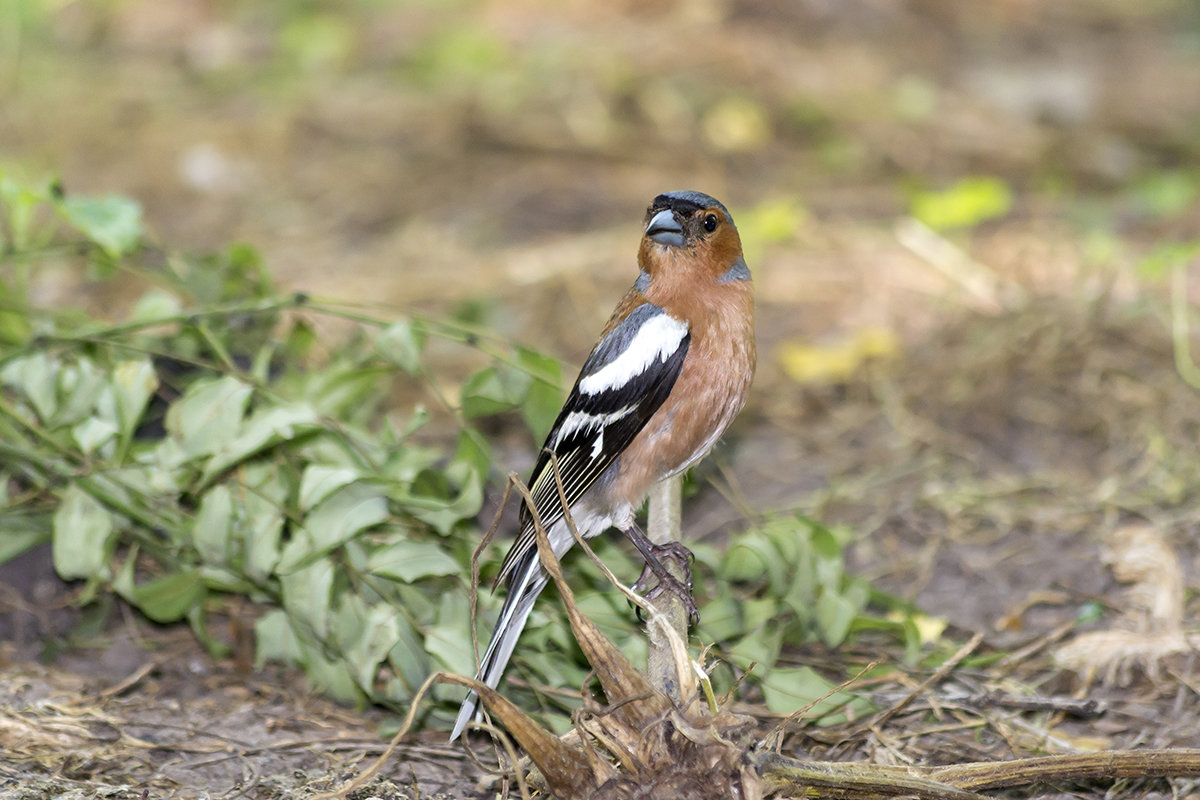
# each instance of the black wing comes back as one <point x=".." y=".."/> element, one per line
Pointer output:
<point x="625" y="380"/>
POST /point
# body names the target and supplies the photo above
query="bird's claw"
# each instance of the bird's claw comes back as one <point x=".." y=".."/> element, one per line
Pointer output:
<point x="668" y="582"/>
<point x="680" y="553"/>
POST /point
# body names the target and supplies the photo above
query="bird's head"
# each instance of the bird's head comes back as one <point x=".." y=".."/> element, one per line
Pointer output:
<point x="692" y="231"/>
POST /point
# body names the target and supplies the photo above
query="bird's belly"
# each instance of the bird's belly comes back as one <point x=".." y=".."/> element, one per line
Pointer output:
<point x="699" y="410"/>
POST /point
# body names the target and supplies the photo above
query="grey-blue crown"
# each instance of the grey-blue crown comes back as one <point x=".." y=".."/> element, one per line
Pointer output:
<point x="688" y="201"/>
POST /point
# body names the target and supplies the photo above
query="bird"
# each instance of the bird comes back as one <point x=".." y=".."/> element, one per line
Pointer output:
<point x="670" y="371"/>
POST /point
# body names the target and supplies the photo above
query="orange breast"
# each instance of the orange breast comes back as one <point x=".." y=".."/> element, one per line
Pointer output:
<point x="709" y="392"/>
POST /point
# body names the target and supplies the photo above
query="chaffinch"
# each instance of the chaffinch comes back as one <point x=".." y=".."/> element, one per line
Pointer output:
<point x="670" y="372"/>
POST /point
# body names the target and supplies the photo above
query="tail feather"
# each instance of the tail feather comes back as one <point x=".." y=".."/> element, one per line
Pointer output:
<point x="527" y="583"/>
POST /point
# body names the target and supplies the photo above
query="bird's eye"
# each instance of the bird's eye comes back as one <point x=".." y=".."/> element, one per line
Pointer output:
<point x="710" y="223"/>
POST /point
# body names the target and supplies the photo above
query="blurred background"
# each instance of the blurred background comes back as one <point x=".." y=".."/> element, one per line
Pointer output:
<point x="415" y="152"/>
<point x="969" y="224"/>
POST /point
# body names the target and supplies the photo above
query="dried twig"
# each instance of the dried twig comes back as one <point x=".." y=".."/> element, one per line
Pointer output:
<point x="942" y="672"/>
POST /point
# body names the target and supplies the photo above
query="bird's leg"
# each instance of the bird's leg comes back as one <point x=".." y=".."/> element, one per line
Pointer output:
<point x="653" y="553"/>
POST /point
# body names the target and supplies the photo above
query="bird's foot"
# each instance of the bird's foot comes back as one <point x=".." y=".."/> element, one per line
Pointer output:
<point x="667" y="582"/>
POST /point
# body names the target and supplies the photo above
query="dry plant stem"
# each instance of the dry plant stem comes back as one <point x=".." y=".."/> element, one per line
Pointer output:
<point x="617" y="676"/>
<point x="628" y="728"/>
<point x="936" y="677"/>
<point x="364" y="777"/>
<point x="789" y="777"/>
<point x="630" y="595"/>
<point x="774" y="740"/>
<point x="1113" y="764"/>
<point x="664" y="526"/>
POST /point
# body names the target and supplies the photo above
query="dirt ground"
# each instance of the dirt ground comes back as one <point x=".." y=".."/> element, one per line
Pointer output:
<point x="1023" y="466"/>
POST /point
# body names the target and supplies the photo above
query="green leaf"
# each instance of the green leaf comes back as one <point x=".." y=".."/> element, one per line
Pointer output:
<point x="348" y="618"/>
<point x="611" y="614"/>
<point x="83" y="538"/>
<point x="720" y="620"/>
<point x="92" y="433"/>
<point x="263" y="512"/>
<point x="134" y="383"/>
<point x="333" y="523"/>
<point x="761" y="647"/>
<point x="112" y="221"/>
<point x="21" y="532"/>
<point x="835" y="612"/>
<point x="20" y="201"/>
<point x="330" y="677"/>
<point x="306" y="595"/>
<point x="448" y="640"/>
<point x="208" y="416"/>
<point x="410" y="561"/>
<point x="83" y="389"/>
<point x="541" y="367"/>
<point x="406" y="463"/>
<point x="14" y="325"/>
<point x="487" y="392"/>
<point x="544" y="398"/>
<point x="157" y="471"/>
<point x="378" y="635"/>
<point x="829" y="560"/>
<point x="262" y="543"/>
<point x="261" y="430"/>
<point x="216" y="648"/>
<point x="754" y="556"/>
<point x="550" y="667"/>
<point x="801" y="595"/>
<point x="275" y="640"/>
<point x="213" y="526"/>
<point x="472" y="456"/>
<point x="417" y="602"/>
<point x="450" y="645"/>
<point x="401" y="344"/>
<point x="442" y="514"/>
<point x="36" y="376"/>
<point x="758" y="612"/>
<point x="787" y="690"/>
<point x="408" y="658"/>
<point x="171" y="597"/>
<point x="156" y="305"/>
<point x="321" y="480"/>
<point x="344" y="392"/>
<point x="352" y="509"/>
<point x="965" y="204"/>
<point x="123" y="581"/>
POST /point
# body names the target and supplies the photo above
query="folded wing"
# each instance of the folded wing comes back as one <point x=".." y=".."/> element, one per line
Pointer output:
<point x="624" y="381"/>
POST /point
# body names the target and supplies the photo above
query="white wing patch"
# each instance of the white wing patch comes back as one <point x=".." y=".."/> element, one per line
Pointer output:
<point x="657" y="339"/>
<point x="578" y="421"/>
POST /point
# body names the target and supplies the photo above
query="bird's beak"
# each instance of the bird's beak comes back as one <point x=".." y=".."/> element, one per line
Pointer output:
<point x="665" y="229"/>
